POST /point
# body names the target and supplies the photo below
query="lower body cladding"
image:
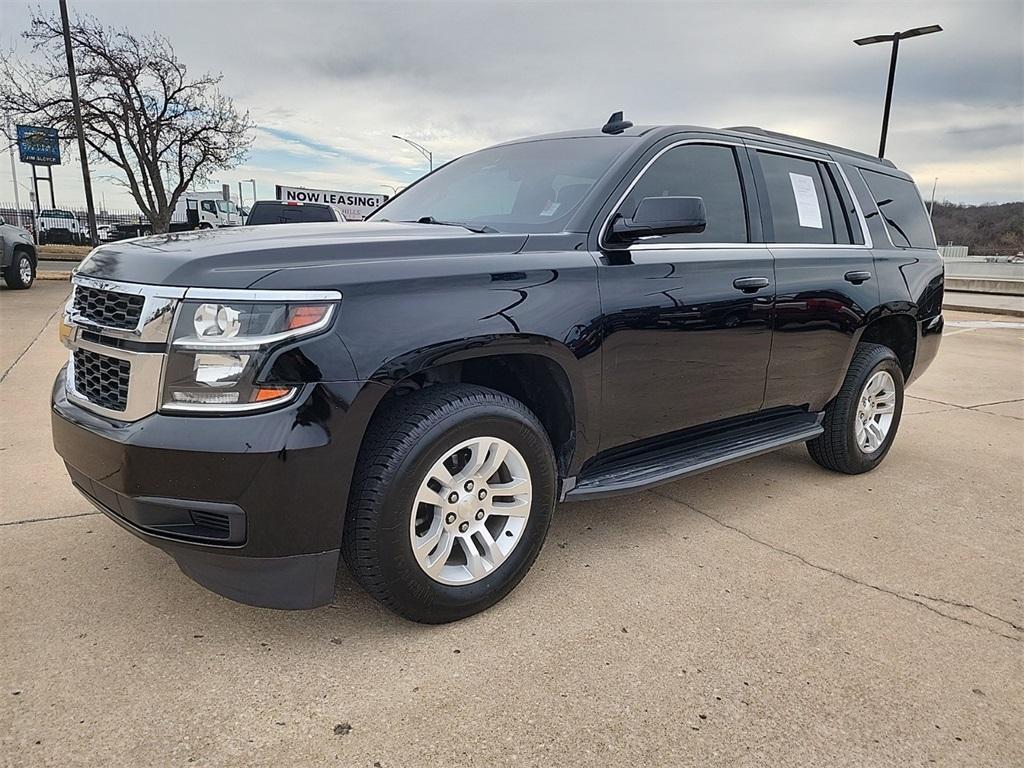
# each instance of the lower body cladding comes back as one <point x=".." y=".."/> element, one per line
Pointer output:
<point x="251" y="507"/>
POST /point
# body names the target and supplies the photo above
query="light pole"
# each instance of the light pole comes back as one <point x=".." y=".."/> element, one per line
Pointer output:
<point x="392" y="187"/>
<point x="90" y="209"/>
<point x="894" y="38"/>
<point x="419" y="147"/>
<point x="249" y="181"/>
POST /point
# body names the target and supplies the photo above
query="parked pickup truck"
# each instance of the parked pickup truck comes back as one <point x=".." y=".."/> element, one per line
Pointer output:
<point x="559" y="318"/>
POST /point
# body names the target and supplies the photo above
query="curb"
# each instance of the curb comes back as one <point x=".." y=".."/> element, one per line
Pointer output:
<point x="50" y="275"/>
<point x="985" y="310"/>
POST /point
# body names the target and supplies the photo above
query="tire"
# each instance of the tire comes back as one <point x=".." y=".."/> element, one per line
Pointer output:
<point x="22" y="272"/>
<point x="841" y="447"/>
<point x="403" y="448"/>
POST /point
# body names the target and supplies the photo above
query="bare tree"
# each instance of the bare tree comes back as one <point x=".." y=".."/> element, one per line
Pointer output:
<point x="141" y="111"/>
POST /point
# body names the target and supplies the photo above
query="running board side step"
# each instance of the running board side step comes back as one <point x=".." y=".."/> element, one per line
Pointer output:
<point x="691" y="451"/>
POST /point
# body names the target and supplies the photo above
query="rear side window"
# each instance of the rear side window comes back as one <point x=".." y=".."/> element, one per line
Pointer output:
<point x="800" y="199"/>
<point x="279" y="213"/>
<point x="708" y="171"/>
<point x="901" y="209"/>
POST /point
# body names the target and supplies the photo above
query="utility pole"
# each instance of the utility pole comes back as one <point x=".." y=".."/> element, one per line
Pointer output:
<point x="931" y="205"/>
<point x="894" y="38"/>
<point x="14" y="175"/>
<point x="78" y="123"/>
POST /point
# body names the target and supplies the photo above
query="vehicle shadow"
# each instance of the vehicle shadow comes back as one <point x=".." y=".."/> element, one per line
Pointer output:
<point x="582" y="534"/>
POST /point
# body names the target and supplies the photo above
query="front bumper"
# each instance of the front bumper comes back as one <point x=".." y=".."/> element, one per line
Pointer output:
<point x="251" y="506"/>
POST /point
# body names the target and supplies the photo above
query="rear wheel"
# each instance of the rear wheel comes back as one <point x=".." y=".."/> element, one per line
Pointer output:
<point x="861" y="422"/>
<point x="451" y="502"/>
<point x="22" y="271"/>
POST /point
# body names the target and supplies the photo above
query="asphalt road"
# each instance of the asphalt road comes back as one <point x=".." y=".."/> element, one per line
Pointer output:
<point x="765" y="614"/>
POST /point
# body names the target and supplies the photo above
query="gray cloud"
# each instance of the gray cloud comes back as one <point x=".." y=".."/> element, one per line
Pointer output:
<point x="458" y="76"/>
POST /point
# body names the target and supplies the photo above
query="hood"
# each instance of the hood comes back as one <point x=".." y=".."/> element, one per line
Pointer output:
<point x="237" y="257"/>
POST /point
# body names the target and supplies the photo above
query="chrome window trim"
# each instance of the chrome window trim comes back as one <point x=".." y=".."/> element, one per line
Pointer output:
<point x="641" y="246"/>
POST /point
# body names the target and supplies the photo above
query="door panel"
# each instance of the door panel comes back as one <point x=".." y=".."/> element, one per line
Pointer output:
<point x="825" y="282"/>
<point x="682" y="345"/>
<point x="817" y="312"/>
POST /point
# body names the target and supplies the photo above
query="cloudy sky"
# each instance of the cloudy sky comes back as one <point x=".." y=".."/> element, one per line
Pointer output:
<point x="328" y="83"/>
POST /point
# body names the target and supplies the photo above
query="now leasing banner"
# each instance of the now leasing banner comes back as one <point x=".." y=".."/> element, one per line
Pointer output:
<point x="355" y="205"/>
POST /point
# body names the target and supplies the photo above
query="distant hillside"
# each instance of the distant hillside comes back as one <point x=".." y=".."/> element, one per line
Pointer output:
<point x="987" y="230"/>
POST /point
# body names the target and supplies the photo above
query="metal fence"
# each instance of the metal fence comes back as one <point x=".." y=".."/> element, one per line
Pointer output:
<point x="25" y="217"/>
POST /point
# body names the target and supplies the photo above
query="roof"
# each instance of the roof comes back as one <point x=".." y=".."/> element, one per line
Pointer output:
<point x="661" y="130"/>
<point x="809" y="143"/>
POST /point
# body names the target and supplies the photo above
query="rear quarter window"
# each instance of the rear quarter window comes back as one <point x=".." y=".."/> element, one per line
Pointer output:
<point x="902" y="210"/>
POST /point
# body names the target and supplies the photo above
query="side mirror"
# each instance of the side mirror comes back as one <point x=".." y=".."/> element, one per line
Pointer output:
<point x="662" y="216"/>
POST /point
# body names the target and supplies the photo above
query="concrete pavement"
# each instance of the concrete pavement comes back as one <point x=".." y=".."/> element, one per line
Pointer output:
<point x="768" y="613"/>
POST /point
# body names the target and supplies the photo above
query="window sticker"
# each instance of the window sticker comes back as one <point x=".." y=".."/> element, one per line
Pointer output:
<point x="550" y="209"/>
<point x="807" y="208"/>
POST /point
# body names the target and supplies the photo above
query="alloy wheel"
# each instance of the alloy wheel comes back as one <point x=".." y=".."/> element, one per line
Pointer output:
<point x="470" y="511"/>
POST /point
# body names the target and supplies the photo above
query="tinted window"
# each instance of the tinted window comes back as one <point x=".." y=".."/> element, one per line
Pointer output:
<point x="529" y="187"/>
<point x="208" y="205"/>
<point x="798" y="199"/>
<point x="279" y="213"/>
<point x="902" y="210"/>
<point x="697" y="170"/>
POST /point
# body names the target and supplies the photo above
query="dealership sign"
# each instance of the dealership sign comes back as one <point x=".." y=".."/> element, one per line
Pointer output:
<point x="38" y="146"/>
<point x="355" y="205"/>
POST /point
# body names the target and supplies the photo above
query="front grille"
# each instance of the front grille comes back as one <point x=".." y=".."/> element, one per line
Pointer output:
<point x="108" y="308"/>
<point x="102" y="380"/>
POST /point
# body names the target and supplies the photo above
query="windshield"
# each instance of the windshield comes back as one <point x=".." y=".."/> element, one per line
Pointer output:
<point x="528" y="187"/>
<point x="57" y="214"/>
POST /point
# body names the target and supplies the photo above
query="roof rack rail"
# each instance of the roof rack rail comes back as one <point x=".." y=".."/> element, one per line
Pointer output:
<point x="810" y="142"/>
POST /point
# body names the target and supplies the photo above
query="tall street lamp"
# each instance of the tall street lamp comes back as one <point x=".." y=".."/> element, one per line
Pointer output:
<point x="76" y="104"/>
<point x="894" y="38"/>
<point x="419" y="147"/>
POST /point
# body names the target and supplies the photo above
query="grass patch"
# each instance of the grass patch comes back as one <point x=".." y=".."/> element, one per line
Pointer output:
<point x="70" y="252"/>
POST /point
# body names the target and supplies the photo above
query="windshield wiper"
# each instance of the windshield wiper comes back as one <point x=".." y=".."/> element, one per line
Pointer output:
<point x="431" y="220"/>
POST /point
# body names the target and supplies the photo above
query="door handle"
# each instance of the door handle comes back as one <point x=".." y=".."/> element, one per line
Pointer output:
<point x="857" y="277"/>
<point x="750" y="284"/>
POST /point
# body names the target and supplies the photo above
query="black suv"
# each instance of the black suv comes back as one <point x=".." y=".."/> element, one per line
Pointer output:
<point x="291" y="212"/>
<point x="563" y="317"/>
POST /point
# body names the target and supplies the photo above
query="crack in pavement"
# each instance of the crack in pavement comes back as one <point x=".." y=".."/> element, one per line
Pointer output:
<point x="973" y="408"/>
<point x="48" y="519"/>
<point x="854" y="580"/>
<point x="34" y="339"/>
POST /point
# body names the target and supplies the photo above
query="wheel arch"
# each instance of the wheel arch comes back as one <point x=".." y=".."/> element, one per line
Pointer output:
<point x="898" y="332"/>
<point x="539" y="372"/>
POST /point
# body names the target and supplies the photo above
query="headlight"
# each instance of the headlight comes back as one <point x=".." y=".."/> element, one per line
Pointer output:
<point x="218" y="348"/>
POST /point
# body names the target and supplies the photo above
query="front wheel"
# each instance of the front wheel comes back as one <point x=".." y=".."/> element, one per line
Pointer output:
<point x="453" y="495"/>
<point x="22" y="272"/>
<point x="861" y="422"/>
